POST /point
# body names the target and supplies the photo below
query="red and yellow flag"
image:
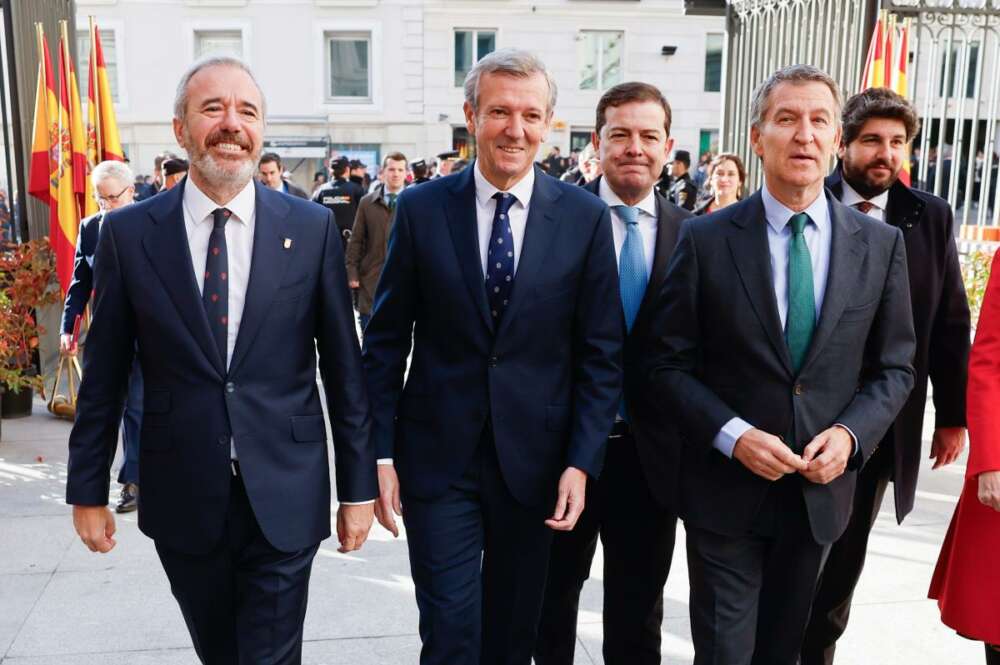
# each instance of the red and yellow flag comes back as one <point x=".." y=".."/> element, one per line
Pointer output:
<point x="887" y="63"/>
<point x="44" y="143"/>
<point x="103" y="141"/>
<point x="72" y="168"/>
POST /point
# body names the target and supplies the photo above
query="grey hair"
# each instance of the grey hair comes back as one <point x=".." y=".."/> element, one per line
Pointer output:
<point x="510" y="61"/>
<point x="181" y="98"/>
<point x="111" y="169"/>
<point x="796" y="74"/>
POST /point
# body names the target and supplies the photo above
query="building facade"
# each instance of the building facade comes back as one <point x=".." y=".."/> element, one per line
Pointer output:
<point x="367" y="77"/>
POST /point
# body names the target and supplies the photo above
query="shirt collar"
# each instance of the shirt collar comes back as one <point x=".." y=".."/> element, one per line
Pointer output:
<point x="778" y="215"/>
<point x="647" y="205"/>
<point x="521" y="190"/>
<point x="852" y="197"/>
<point x="200" y="207"/>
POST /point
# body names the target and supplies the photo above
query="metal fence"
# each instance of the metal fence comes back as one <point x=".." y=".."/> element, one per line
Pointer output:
<point x="954" y="79"/>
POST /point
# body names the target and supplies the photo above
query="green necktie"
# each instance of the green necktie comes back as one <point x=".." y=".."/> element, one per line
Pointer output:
<point x="801" y="320"/>
<point x="392" y="201"/>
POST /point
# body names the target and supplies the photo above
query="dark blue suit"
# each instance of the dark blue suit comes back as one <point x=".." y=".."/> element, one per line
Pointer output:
<point x="490" y="418"/>
<point x="267" y="402"/>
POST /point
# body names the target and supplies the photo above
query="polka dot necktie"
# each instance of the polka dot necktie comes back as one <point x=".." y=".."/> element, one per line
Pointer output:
<point x="215" y="294"/>
<point x="500" y="257"/>
<point x="864" y="206"/>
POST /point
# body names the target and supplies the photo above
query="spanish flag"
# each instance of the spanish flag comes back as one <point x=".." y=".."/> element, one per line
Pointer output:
<point x="887" y="63"/>
<point x="874" y="74"/>
<point x="44" y="143"/>
<point x="103" y="141"/>
<point x="72" y="173"/>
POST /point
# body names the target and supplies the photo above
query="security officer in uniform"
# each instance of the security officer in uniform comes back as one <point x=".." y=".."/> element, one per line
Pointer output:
<point x="419" y="169"/>
<point x="359" y="173"/>
<point x="683" y="191"/>
<point x="341" y="196"/>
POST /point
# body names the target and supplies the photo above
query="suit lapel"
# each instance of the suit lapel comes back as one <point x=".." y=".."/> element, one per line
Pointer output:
<point x="846" y="252"/>
<point x="667" y="228"/>
<point x="166" y="246"/>
<point x="752" y="256"/>
<point x="460" y="210"/>
<point x="538" y="232"/>
<point x="267" y="267"/>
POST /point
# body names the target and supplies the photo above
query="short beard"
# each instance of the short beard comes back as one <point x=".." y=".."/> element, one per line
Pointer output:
<point x="217" y="174"/>
<point x="862" y="185"/>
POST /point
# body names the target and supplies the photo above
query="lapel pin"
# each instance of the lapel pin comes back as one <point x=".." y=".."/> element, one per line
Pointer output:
<point x="288" y="243"/>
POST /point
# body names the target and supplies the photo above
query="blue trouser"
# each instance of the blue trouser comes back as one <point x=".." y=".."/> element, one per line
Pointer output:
<point x="131" y="423"/>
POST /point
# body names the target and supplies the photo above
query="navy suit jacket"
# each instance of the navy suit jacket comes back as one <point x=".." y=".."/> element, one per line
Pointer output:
<point x="297" y="301"/>
<point x="547" y="381"/>
<point x="78" y="293"/>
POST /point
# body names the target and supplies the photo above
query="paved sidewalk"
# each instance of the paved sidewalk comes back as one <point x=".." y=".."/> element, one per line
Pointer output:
<point x="62" y="605"/>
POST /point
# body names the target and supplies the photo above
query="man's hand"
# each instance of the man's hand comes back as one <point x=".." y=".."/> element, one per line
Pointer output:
<point x="827" y="455"/>
<point x="570" y="500"/>
<point x="354" y="284"/>
<point x="95" y="526"/>
<point x="353" y="525"/>
<point x="766" y="455"/>
<point x="947" y="444"/>
<point x="989" y="489"/>
<point x="388" y="498"/>
<point x="67" y="344"/>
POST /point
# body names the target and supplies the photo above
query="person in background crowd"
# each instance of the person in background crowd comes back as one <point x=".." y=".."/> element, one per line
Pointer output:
<point x="683" y="191"/>
<point x="271" y="173"/>
<point x="370" y="235"/>
<point x="459" y="165"/>
<point x="778" y="417"/>
<point x="445" y="162"/>
<point x="879" y="125"/>
<point x="727" y="178"/>
<point x="113" y="189"/>
<point x="966" y="581"/>
<point x="236" y="298"/>
<point x="319" y="179"/>
<point x="432" y="170"/>
<point x="419" y="169"/>
<point x="359" y="173"/>
<point x="502" y="281"/>
<point x="703" y="171"/>
<point x="341" y="196"/>
<point x="632" y="505"/>
<point x="555" y="164"/>
<point x="587" y="169"/>
<point x="174" y="169"/>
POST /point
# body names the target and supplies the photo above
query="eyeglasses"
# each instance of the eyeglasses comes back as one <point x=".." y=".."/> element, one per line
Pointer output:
<point x="113" y="198"/>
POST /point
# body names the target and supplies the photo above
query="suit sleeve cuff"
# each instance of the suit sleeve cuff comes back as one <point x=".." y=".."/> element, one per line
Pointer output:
<point x="730" y="433"/>
<point x="384" y="461"/>
<point x="357" y="503"/>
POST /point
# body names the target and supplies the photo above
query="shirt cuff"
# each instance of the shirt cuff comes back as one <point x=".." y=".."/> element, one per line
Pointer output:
<point x="385" y="461"/>
<point x="854" y="438"/>
<point x="357" y="503"/>
<point x="730" y="433"/>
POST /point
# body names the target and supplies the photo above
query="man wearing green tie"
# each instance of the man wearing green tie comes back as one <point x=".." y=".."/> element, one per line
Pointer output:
<point x="784" y="345"/>
<point x="370" y="237"/>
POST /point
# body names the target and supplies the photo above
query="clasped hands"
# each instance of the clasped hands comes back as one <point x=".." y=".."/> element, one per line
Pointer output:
<point x="823" y="460"/>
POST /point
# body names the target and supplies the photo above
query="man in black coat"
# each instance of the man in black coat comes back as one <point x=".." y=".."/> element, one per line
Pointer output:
<point x="782" y="380"/>
<point x="341" y="196"/>
<point x="878" y="127"/>
<point x="632" y="504"/>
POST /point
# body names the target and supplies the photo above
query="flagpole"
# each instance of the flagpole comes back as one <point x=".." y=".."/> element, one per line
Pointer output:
<point x="94" y="92"/>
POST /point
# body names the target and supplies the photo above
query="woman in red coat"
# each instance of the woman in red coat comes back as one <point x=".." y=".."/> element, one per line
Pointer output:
<point x="966" y="582"/>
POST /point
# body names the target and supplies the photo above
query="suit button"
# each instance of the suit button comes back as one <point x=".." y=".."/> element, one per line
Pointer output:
<point x="223" y="440"/>
<point x="230" y="387"/>
<point x="798" y="389"/>
<point x="493" y="361"/>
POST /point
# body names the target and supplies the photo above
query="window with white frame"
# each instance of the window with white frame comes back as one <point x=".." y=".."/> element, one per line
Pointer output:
<point x="110" y="48"/>
<point x="470" y="46"/>
<point x="348" y="66"/>
<point x="218" y="42"/>
<point x="600" y="58"/>
<point x="713" y="62"/>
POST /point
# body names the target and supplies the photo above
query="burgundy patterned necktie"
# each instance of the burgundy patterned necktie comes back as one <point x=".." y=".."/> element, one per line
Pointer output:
<point x="864" y="206"/>
<point x="215" y="294"/>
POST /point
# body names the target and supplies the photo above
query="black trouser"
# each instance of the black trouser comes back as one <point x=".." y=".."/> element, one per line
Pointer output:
<point x="637" y="535"/>
<point x="751" y="594"/>
<point x="832" y="605"/>
<point x="478" y="559"/>
<point x="244" y="602"/>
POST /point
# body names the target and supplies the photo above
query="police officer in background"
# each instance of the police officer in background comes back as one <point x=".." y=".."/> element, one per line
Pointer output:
<point x="359" y="173"/>
<point x="683" y="191"/>
<point x="419" y="169"/>
<point x="341" y="196"/>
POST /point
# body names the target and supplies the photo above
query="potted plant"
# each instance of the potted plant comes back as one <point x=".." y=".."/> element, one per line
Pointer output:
<point x="27" y="274"/>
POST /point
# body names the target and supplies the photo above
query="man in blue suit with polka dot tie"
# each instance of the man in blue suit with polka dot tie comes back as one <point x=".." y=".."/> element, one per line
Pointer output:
<point x="503" y="281"/>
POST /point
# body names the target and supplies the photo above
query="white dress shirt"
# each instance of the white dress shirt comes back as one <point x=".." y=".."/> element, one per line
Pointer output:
<point x="517" y="216"/>
<point x="647" y="223"/>
<point x="239" y="250"/>
<point x="819" y="238"/>
<point x="850" y="197"/>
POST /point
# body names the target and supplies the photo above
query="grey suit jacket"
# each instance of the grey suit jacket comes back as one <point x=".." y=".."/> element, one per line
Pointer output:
<point x="720" y="353"/>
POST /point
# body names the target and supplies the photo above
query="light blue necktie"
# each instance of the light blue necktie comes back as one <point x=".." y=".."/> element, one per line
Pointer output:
<point x="632" y="275"/>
